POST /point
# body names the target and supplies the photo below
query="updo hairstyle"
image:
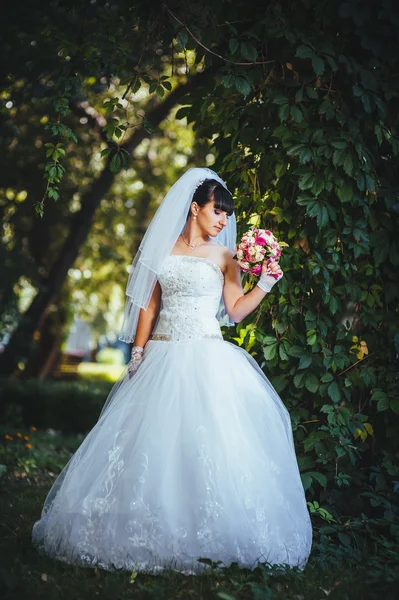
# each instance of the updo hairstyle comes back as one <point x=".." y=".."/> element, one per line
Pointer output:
<point x="210" y="190"/>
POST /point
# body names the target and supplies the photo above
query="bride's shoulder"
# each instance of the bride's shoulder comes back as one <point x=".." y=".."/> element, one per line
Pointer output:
<point x="225" y="251"/>
<point x="223" y="255"/>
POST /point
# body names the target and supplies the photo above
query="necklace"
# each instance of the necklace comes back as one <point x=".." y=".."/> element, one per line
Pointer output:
<point x="191" y="246"/>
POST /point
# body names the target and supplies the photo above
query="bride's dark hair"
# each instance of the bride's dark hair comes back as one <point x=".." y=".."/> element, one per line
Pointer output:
<point x="210" y="190"/>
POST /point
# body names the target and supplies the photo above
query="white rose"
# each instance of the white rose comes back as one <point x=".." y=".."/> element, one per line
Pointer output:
<point x="251" y="251"/>
<point x="240" y="254"/>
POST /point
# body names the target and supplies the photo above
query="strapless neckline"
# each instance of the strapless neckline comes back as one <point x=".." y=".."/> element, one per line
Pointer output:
<point x="203" y="258"/>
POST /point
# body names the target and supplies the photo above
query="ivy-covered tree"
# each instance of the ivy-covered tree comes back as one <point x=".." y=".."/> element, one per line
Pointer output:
<point x="311" y="148"/>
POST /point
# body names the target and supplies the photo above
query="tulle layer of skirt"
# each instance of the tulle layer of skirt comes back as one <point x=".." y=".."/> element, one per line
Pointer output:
<point x="192" y="457"/>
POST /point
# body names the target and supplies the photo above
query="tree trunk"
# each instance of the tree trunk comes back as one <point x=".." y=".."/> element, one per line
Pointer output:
<point x="21" y="342"/>
<point x="49" y="340"/>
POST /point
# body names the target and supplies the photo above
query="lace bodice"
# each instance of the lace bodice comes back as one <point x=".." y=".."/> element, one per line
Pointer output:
<point x="191" y="291"/>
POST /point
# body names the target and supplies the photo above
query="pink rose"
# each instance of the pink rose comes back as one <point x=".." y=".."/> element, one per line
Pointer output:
<point x="257" y="270"/>
<point x="260" y="240"/>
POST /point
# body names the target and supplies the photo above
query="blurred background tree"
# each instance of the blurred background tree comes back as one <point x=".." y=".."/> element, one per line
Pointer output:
<point x="39" y="253"/>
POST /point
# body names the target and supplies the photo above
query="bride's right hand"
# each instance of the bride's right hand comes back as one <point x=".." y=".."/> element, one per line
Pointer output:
<point x="271" y="267"/>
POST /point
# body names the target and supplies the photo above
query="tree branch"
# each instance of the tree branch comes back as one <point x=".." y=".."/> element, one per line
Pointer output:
<point x="157" y="114"/>
<point x="232" y="62"/>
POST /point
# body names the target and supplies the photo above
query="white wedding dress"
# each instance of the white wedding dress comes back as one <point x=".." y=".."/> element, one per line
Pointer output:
<point x="192" y="457"/>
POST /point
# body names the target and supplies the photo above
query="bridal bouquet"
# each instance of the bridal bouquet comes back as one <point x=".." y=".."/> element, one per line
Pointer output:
<point x="256" y="245"/>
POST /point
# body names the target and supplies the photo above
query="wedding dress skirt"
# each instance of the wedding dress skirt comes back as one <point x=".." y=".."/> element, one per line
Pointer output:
<point x="192" y="457"/>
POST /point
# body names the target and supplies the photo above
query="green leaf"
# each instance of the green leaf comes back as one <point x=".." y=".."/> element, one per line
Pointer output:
<point x="382" y="400"/>
<point x="319" y="477"/>
<point x="306" y="480"/>
<point x="299" y="95"/>
<point x="280" y="99"/>
<point x="182" y="38"/>
<point x="339" y="144"/>
<point x="149" y="126"/>
<point x="338" y="157"/>
<point x="153" y="87"/>
<point x="378" y="133"/>
<point x="306" y="181"/>
<point x="115" y="163"/>
<point x="334" y="304"/>
<point x="249" y="51"/>
<point x="348" y="164"/>
<point x="312" y="92"/>
<point x="242" y="85"/>
<point x="304" y="52"/>
<point x="345" y="539"/>
<point x="160" y="92"/>
<point x="280" y="382"/>
<point x="305" y="361"/>
<point x="269" y="352"/>
<point x="136" y="86"/>
<point x="327" y="377"/>
<point x="224" y="596"/>
<point x="281" y="168"/>
<point x="296" y="351"/>
<point x="296" y="114"/>
<point x="233" y="45"/>
<point x="283" y="112"/>
<point x="334" y="392"/>
<point x="345" y="192"/>
<point x="312" y="339"/>
<point x="269" y="340"/>
<point x="312" y="383"/>
<point x="318" y="64"/>
<point x="282" y="352"/>
<point x="298" y="380"/>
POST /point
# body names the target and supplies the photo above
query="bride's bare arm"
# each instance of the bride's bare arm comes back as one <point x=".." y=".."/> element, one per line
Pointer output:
<point x="238" y="304"/>
<point x="147" y="318"/>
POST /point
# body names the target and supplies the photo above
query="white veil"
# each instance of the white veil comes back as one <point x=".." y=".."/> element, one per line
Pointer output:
<point x="167" y="224"/>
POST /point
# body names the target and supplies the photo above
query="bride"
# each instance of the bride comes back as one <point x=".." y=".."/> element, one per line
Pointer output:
<point x="193" y="453"/>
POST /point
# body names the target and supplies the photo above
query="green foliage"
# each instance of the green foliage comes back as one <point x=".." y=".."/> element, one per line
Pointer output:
<point x="55" y="405"/>
<point x="326" y="184"/>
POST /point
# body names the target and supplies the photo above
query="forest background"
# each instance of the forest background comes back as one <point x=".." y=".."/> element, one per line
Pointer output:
<point x="103" y="105"/>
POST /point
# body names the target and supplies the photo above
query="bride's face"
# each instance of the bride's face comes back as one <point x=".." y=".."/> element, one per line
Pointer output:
<point x="211" y="220"/>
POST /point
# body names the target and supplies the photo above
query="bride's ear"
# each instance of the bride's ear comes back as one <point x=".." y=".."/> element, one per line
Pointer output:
<point x="194" y="209"/>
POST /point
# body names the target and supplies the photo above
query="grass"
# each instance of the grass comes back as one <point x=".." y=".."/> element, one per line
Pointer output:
<point x="25" y="574"/>
<point x="90" y="371"/>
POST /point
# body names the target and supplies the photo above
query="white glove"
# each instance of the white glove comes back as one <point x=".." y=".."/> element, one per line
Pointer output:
<point x="267" y="281"/>
<point x="135" y="359"/>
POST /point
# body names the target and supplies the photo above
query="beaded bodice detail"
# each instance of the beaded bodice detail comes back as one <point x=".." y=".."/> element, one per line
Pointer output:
<point x="191" y="291"/>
